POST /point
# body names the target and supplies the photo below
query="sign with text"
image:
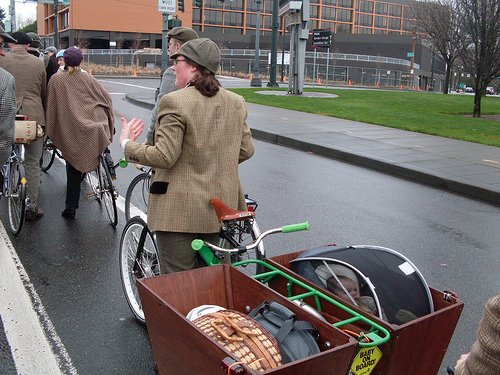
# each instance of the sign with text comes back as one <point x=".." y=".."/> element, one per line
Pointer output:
<point x="366" y="360"/>
<point x="322" y="38"/>
<point x="167" y="6"/>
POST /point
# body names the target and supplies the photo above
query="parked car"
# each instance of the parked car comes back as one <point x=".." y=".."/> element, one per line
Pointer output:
<point x="469" y="89"/>
<point x="490" y="90"/>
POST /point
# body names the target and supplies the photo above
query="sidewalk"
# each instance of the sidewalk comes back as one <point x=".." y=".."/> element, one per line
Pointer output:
<point x="461" y="167"/>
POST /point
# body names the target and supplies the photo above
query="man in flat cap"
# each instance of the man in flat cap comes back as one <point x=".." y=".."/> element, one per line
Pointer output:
<point x="4" y="37"/>
<point x="176" y="38"/>
<point x="29" y="72"/>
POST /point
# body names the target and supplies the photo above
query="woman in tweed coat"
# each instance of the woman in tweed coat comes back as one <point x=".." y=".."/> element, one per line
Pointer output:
<point x="80" y="122"/>
<point x="484" y="357"/>
<point x="200" y="138"/>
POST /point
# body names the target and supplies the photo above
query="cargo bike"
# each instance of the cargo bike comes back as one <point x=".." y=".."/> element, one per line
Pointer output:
<point x="351" y="340"/>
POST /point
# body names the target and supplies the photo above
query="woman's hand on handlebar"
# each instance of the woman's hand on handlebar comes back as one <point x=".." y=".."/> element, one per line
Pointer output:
<point x="131" y="129"/>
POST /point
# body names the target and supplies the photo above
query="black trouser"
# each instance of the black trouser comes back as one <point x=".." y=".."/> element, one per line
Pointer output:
<point x="74" y="180"/>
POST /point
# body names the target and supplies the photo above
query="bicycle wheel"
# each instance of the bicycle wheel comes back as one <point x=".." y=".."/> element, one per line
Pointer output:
<point x="93" y="181"/>
<point x="17" y="196"/>
<point x="138" y="258"/>
<point x="136" y="199"/>
<point x="245" y="237"/>
<point x="108" y="192"/>
<point x="48" y="154"/>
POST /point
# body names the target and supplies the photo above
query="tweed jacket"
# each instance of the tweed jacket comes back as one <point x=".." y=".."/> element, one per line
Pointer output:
<point x="29" y="72"/>
<point x="80" y="119"/>
<point x="167" y="85"/>
<point x="484" y="357"/>
<point x="198" y="144"/>
<point x="7" y="113"/>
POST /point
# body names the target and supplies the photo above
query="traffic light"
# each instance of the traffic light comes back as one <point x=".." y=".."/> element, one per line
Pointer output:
<point x="180" y="5"/>
<point x="198" y="3"/>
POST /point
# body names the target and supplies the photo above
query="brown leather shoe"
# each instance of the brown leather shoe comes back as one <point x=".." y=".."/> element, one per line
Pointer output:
<point x="33" y="213"/>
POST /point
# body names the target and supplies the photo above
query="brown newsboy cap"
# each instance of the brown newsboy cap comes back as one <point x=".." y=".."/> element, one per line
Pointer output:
<point x="202" y="51"/>
<point x="6" y="37"/>
<point x="73" y="56"/>
<point x="184" y="34"/>
<point x="21" y="38"/>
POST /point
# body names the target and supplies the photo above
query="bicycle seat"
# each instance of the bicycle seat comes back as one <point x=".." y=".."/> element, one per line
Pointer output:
<point x="225" y="213"/>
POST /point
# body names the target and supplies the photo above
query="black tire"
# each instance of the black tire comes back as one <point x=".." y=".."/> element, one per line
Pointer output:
<point x="17" y="196"/>
<point x="48" y="154"/>
<point x="136" y="199"/>
<point x="138" y="259"/>
<point x="108" y="191"/>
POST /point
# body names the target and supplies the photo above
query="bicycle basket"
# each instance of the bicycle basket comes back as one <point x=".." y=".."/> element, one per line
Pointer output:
<point x="389" y="280"/>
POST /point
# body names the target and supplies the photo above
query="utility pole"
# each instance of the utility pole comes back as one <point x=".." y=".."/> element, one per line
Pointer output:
<point x="12" y="15"/>
<point x="413" y="47"/>
<point x="256" y="81"/>
<point x="56" y="27"/>
<point x="274" y="45"/>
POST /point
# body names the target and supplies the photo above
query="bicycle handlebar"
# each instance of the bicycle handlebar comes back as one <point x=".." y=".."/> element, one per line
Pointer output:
<point x="295" y="227"/>
<point x="198" y="244"/>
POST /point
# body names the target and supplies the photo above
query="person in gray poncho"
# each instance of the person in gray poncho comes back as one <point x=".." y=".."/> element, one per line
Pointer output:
<point x="80" y="122"/>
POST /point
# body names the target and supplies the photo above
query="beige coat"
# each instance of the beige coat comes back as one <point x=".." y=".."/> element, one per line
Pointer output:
<point x="198" y="144"/>
<point x="80" y="119"/>
<point x="484" y="357"/>
<point x="30" y="76"/>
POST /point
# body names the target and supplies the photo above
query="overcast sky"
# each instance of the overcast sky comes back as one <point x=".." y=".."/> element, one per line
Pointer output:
<point x="23" y="10"/>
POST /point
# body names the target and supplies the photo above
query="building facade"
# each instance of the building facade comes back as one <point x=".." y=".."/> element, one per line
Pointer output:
<point x="130" y="22"/>
<point x="376" y="29"/>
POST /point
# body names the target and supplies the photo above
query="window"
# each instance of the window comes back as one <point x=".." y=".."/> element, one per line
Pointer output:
<point x="213" y="29"/>
<point x="343" y="28"/>
<point x="233" y="4"/>
<point x="329" y="2"/>
<point x="233" y="19"/>
<point x="230" y="30"/>
<point x="365" y="6"/>
<point x="344" y="3"/>
<point x="381" y="8"/>
<point x="381" y="21"/>
<point x="395" y="10"/>
<point x="344" y="15"/>
<point x="314" y="11"/>
<point x="364" y="30"/>
<point x="213" y="17"/>
<point x="328" y="14"/>
<point x="394" y="23"/>
<point x="251" y="20"/>
<point x="364" y="20"/>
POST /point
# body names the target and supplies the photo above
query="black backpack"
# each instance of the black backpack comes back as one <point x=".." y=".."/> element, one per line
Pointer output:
<point x="297" y="339"/>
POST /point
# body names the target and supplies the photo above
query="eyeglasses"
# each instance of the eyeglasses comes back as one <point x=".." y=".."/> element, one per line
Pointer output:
<point x="176" y="61"/>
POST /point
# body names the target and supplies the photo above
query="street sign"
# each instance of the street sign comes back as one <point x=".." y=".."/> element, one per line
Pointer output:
<point x="167" y="6"/>
<point x="322" y="38"/>
<point x="410" y="54"/>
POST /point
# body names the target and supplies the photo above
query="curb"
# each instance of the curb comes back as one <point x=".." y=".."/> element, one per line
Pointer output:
<point x="138" y="102"/>
<point x="380" y="164"/>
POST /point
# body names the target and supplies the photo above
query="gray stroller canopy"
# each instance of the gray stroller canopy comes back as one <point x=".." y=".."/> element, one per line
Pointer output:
<point x="398" y="289"/>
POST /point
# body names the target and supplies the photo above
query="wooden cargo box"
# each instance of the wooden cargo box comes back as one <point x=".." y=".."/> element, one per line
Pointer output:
<point x="180" y="348"/>
<point x="415" y="348"/>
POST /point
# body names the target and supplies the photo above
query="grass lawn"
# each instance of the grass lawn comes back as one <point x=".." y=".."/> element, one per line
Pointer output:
<point x="430" y="113"/>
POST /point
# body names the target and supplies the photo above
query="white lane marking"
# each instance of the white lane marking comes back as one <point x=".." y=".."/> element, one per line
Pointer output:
<point x="491" y="161"/>
<point x="128" y="84"/>
<point x="117" y="93"/>
<point x="28" y="328"/>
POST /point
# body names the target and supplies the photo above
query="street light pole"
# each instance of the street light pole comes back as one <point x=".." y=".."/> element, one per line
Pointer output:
<point x="56" y="28"/>
<point x="256" y="81"/>
<point x="274" y="45"/>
